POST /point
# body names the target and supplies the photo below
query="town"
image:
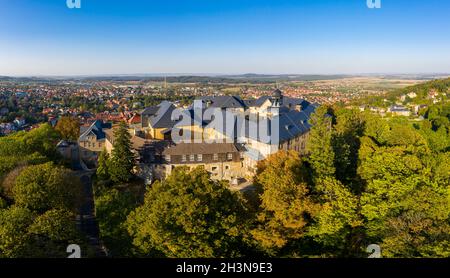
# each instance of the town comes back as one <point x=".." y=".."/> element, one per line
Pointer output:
<point x="24" y="104"/>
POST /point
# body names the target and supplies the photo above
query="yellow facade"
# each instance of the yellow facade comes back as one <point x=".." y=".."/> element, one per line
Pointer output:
<point x="218" y="170"/>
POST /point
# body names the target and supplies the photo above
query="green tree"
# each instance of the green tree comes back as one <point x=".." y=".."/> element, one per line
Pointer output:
<point x="321" y="153"/>
<point x="111" y="209"/>
<point x="189" y="215"/>
<point x="46" y="186"/>
<point x="27" y="148"/>
<point x="42" y="140"/>
<point x="406" y="197"/>
<point x="422" y="227"/>
<point x="286" y="205"/>
<point x="103" y="162"/>
<point x="438" y="140"/>
<point x="338" y="223"/>
<point x="122" y="161"/>
<point x="25" y="234"/>
<point x="350" y="125"/>
<point x="68" y="128"/>
<point x="14" y="238"/>
<point x="51" y="233"/>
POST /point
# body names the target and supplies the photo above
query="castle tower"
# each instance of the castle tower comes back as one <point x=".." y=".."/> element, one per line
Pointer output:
<point x="277" y="98"/>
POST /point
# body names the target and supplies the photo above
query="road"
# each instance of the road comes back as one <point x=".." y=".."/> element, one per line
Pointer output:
<point x="86" y="220"/>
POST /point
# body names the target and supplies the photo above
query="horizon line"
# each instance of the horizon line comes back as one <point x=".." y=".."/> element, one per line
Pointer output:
<point x="193" y="74"/>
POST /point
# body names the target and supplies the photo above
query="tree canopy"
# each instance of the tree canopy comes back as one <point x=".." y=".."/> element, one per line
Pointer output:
<point x="286" y="204"/>
<point x="68" y="128"/>
<point x="189" y="215"/>
<point x="46" y="186"/>
<point x="26" y="234"/>
<point x="391" y="186"/>
<point x="122" y="160"/>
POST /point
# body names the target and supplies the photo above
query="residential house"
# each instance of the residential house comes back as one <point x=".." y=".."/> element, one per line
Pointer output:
<point x="399" y="110"/>
<point x="92" y="141"/>
<point x="20" y="122"/>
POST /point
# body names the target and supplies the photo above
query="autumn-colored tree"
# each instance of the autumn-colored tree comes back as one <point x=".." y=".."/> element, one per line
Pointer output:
<point x="286" y="205"/>
<point x="68" y="128"/>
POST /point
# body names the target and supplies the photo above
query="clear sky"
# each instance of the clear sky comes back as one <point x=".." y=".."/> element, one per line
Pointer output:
<point x="223" y="37"/>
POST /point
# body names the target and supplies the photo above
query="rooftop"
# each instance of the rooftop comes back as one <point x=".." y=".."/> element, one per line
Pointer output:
<point x="202" y="148"/>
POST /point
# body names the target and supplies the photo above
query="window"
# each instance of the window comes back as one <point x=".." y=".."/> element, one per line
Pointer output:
<point x="183" y="158"/>
<point x="229" y="156"/>
<point x="214" y="168"/>
<point x="216" y="157"/>
<point x="227" y="167"/>
<point x="168" y="158"/>
<point x="199" y="157"/>
<point x="191" y="157"/>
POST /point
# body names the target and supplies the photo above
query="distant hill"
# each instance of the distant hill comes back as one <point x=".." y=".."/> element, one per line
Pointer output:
<point x="423" y="93"/>
<point x="250" y="78"/>
<point x="261" y="78"/>
<point x="217" y="79"/>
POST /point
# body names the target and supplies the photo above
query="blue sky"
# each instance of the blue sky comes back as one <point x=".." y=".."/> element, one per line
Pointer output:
<point x="223" y="37"/>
